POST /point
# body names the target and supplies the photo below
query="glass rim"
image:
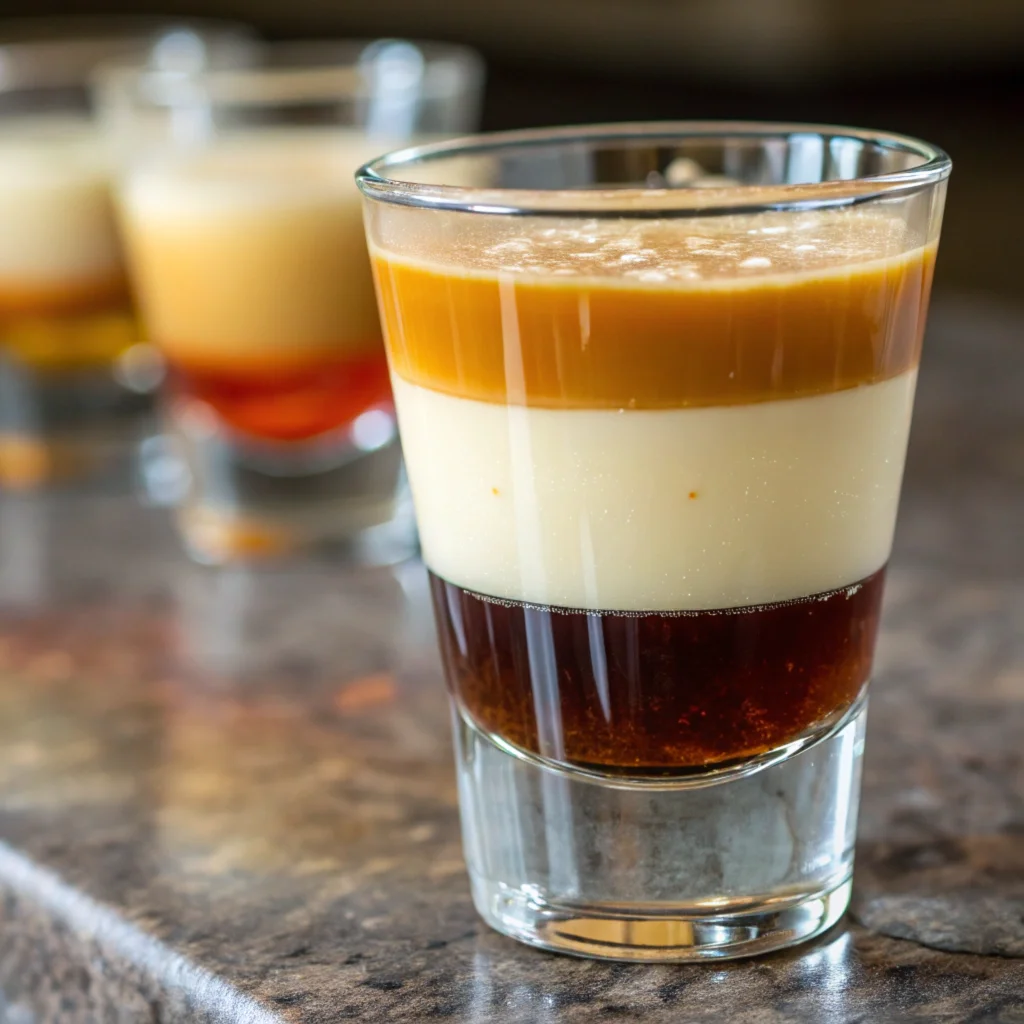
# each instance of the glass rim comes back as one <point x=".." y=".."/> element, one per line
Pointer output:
<point x="375" y="184"/>
<point x="305" y="69"/>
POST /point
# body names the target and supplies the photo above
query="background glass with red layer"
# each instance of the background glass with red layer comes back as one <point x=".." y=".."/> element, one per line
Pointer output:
<point x="303" y="361"/>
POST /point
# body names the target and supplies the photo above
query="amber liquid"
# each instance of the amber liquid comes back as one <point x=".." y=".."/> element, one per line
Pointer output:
<point x="291" y="403"/>
<point x="656" y="693"/>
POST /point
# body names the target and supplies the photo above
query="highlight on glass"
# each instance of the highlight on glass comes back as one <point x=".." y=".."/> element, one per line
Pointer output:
<point x="245" y="238"/>
<point x="654" y="385"/>
<point x="74" y="371"/>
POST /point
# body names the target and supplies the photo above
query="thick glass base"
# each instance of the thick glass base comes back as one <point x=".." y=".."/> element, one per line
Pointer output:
<point x="237" y="499"/>
<point x="743" y="862"/>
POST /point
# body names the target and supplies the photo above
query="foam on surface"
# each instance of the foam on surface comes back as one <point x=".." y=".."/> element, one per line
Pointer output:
<point x="656" y="252"/>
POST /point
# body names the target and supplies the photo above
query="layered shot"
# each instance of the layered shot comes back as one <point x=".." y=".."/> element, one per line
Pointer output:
<point x="654" y="383"/>
<point x="254" y="279"/>
<point x="656" y="467"/>
<point x="246" y="245"/>
<point x="252" y="273"/>
<point x="65" y="309"/>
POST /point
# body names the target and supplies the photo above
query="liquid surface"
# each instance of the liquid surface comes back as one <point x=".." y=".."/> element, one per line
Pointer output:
<point x="727" y="249"/>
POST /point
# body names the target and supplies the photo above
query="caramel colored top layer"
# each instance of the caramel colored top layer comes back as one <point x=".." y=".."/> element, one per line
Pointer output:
<point x="659" y="314"/>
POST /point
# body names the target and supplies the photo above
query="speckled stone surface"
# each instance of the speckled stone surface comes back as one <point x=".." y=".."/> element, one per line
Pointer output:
<point x="228" y="796"/>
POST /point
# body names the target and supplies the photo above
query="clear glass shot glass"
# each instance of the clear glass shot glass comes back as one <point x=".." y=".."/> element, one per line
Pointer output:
<point x="74" y="371"/>
<point x="654" y="385"/>
<point x="245" y="239"/>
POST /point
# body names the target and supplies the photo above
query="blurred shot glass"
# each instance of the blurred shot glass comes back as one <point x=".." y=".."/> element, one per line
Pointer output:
<point x="74" y="372"/>
<point x="245" y="240"/>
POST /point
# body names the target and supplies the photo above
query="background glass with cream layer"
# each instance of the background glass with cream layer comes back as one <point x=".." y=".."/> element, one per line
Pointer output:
<point x="655" y="384"/>
<point x="245" y="239"/>
<point x="73" y="370"/>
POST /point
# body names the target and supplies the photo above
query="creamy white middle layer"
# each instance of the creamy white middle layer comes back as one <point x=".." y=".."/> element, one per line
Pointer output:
<point x="673" y="510"/>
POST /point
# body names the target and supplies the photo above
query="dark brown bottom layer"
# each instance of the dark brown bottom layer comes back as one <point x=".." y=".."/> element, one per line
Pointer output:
<point x="660" y="692"/>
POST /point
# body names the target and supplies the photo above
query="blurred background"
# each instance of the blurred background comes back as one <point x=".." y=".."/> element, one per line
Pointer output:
<point x="950" y="71"/>
<point x="108" y="593"/>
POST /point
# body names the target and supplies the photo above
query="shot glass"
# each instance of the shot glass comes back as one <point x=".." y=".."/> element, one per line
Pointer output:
<point x="245" y="239"/>
<point x="655" y="384"/>
<point x="74" y="371"/>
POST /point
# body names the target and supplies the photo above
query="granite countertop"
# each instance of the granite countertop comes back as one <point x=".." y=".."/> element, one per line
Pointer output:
<point x="229" y="796"/>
